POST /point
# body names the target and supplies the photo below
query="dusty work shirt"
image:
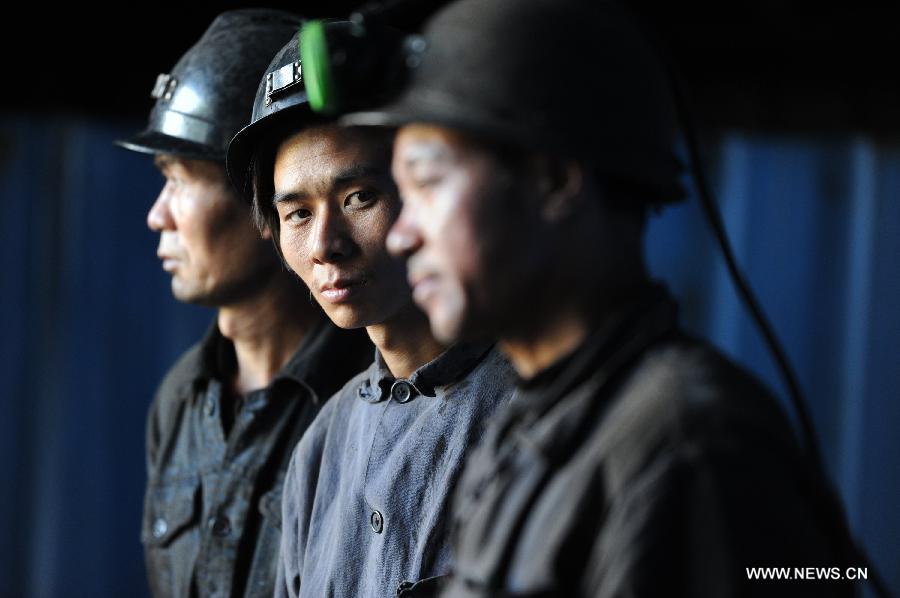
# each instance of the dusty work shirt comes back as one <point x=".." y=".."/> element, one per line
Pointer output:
<point x="643" y="465"/>
<point x="367" y="496"/>
<point x="212" y="510"/>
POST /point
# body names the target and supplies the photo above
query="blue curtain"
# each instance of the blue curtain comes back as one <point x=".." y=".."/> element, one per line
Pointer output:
<point x="89" y="327"/>
<point x="815" y="224"/>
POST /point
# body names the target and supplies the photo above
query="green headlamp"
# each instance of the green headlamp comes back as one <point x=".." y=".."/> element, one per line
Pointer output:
<point x="348" y="65"/>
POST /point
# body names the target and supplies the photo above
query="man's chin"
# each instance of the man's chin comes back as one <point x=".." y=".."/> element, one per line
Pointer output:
<point x="463" y="325"/>
<point x="190" y="294"/>
<point x="346" y="316"/>
<point x="446" y="328"/>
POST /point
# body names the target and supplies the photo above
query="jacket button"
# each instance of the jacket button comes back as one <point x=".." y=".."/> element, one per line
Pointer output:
<point x="219" y="525"/>
<point x="377" y="522"/>
<point x="160" y="527"/>
<point x="362" y="391"/>
<point x="401" y="391"/>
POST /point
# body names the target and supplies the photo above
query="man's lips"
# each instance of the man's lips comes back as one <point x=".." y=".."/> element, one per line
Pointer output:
<point x="169" y="263"/>
<point x="340" y="289"/>
<point x="423" y="285"/>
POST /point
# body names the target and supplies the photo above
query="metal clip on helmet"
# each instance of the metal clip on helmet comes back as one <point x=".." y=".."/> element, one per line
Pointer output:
<point x="206" y="97"/>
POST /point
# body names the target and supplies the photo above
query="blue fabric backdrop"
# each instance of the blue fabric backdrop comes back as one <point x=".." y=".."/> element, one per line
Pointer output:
<point x="88" y="327"/>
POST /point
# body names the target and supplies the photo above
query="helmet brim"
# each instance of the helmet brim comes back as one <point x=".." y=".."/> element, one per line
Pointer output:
<point x="154" y="142"/>
<point x="415" y="109"/>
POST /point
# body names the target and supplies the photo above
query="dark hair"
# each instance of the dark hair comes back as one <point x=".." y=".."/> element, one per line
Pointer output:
<point x="262" y="167"/>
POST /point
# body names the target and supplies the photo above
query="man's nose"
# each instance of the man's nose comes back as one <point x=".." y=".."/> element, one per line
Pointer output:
<point x="333" y="241"/>
<point x="159" y="218"/>
<point x="404" y="238"/>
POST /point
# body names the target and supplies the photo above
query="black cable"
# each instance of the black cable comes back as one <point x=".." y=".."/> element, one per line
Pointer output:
<point x="714" y="217"/>
<point x="744" y="291"/>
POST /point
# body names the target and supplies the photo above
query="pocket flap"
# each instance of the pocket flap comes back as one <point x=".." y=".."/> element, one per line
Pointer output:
<point x="168" y="509"/>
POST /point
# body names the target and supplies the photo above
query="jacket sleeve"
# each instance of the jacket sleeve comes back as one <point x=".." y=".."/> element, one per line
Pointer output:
<point x="153" y="434"/>
<point x="664" y="524"/>
<point x="167" y="407"/>
<point x="697" y="518"/>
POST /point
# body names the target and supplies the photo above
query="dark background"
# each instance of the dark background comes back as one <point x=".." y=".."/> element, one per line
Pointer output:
<point x="771" y="64"/>
<point x="798" y="105"/>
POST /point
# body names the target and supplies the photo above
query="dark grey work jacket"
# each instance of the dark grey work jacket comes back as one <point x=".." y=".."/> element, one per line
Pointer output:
<point x="212" y="511"/>
<point x="368" y="493"/>
<point x="643" y="465"/>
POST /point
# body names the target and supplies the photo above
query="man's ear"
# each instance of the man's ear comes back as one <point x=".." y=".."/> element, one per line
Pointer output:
<point x="560" y="184"/>
<point x="266" y="233"/>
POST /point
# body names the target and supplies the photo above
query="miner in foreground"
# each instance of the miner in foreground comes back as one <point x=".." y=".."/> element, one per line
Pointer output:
<point x="534" y="138"/>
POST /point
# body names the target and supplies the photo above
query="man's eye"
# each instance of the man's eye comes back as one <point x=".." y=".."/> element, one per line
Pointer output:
<point x="360" y="198"/>
<point x="298" y="215"/>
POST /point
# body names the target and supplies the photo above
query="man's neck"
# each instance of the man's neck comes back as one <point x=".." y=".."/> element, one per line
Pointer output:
<point x="533" y="349"/>
<point x="266" y="330"/>
<point x="405" y="341"/>
<point x="596" y="269"/>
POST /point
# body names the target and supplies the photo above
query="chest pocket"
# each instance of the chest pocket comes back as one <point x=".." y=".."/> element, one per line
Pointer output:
<point x="169" y="509"/>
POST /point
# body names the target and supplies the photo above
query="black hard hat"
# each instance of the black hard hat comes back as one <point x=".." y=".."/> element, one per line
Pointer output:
<point x="281" y="103"/>
<point x="207" y="96"/>
<point x="572" y="77"/>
